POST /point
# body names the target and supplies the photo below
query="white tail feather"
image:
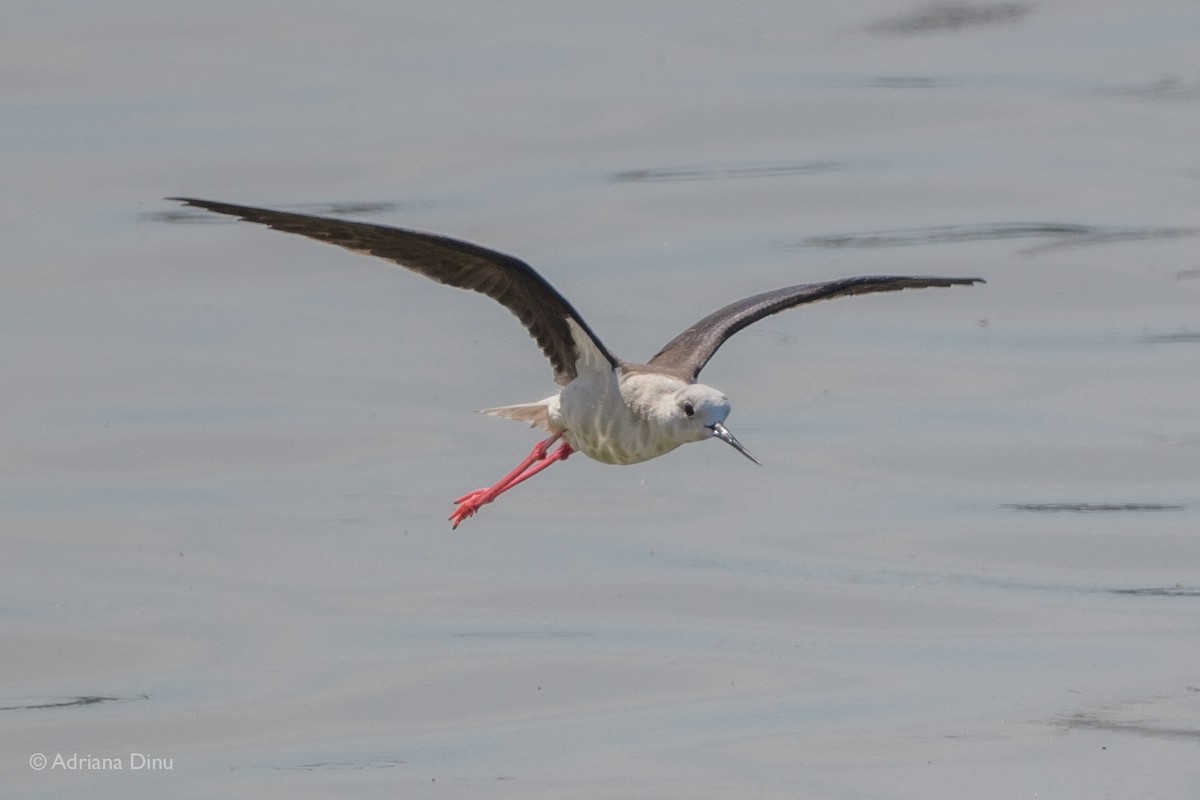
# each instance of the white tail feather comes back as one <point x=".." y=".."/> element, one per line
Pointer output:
<point x="536" y="414"/>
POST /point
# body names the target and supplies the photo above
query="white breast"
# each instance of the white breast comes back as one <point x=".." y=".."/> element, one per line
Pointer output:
<point x="610" y="418"/>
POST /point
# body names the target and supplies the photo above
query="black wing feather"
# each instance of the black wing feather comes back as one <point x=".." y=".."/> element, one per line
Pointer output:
<point x="688" y="352"/>
<point x="507" y="280"/>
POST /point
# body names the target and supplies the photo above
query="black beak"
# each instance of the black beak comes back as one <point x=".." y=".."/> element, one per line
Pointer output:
<point x="721" y="432"/>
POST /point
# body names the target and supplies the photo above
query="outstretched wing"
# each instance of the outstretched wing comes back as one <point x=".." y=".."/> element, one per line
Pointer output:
<point x="688" y="352"/>
<point x="507" y="280"/>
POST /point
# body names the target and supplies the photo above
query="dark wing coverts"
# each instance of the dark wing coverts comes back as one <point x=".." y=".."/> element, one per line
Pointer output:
<point x="507" y="280"/>
<point x="688" y="352"/>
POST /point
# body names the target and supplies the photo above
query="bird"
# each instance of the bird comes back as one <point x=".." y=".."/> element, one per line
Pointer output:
<point x="611" y="410"/>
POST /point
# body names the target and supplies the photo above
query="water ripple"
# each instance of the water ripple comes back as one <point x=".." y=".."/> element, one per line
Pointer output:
<point x="950" y="17"/>
<point x="1092" y="507"/>
<point x="1061" y="235"/>
<point x="83" y="700"/>
<point x="727" y="172"/>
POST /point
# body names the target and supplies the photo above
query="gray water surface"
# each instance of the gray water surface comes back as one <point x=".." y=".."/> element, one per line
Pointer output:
<point x="969" y="567"/>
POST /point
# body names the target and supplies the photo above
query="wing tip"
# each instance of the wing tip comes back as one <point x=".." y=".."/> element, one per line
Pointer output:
<point x="935" y="280"/>
<point x="207" y="205"/>
<point x="926" y="281"/>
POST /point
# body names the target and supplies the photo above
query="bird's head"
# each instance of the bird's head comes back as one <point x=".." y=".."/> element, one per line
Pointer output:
<point x="698" y="412"/>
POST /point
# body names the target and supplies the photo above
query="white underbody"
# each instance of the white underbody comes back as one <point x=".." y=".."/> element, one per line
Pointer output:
<point x="613" y="416"/>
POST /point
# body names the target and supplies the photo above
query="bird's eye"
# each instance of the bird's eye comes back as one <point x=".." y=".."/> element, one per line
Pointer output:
<point x="689" y="410"/>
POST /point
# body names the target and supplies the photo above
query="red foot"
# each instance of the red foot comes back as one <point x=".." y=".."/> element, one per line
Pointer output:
<point x="537" y="460"/>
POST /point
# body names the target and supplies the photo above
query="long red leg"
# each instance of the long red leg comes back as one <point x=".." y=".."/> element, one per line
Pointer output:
<point x="538" y="453"/>
<point x="538" y="459"/>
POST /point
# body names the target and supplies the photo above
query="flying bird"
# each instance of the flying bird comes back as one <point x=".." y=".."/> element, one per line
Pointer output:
<point x="609" y="409"/>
